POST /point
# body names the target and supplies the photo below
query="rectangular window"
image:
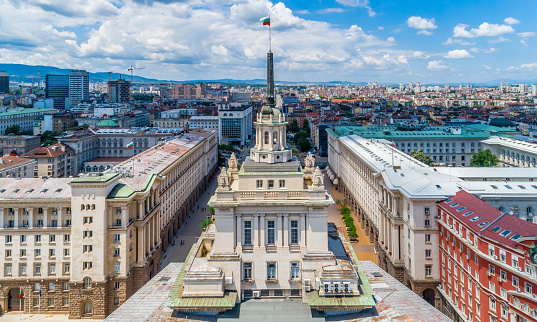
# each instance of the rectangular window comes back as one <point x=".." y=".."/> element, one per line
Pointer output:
<point x="247" y="232"/>
<point x="51" y="269"/>
<point x="66" y="238"/>
<point x="282" y="183"/>
<point x="88" y="234"/>
<point x="52" y="253"/>
<point x="116" y="252"/>
<point x="428" y="270"/>
<point x="37" y="269"/>
<point x="271" y="232"/>
<point x="116" y="238"/>
<point x="259" y="183"/>
<point x="51" y="286"/>
<point x="37" y="252"/>
<point x="51" y="301"/>
<point x="87" y="265"/>
<point x="52" y="238"/>
<point x="66" y="286"/>
<point x="116" y="267"/>
<point x="66" y="252"/>
<point x="271" y="270"/>
<point x="66" y="268"/>
<point x="295" y="270"/>
<point x="527" y="288"/>
<point x="116" y="300"/>
<point x="8" y="252"/>
<point x="427" y="222"/>
<point x="294" y="232"/>
<point x="23" y="239"/>
<point x="87" y="248"/>
<point x="503" y="275"/>
<point x="23" y="269"/>
<point x="65" y="301"/>
<point x="88" y="220"/>
<point x="37" y="238"/>
<point x="271" y="184"/>
<point x="427" y="238"/>
<point x="116" y="285"/>
<point x="7" y="271"/>
<point x="491" y="269"/>
<point x="427" y="253"/>
<point x="247" y="271"/>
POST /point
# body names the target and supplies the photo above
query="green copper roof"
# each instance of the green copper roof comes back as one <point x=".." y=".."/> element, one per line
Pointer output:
<point x="107" y="123"/>
<point x="28" y="111"/>
<point x="104" y="177"/>
<point x="475" y="131"/>
<point x="121" y="190"/>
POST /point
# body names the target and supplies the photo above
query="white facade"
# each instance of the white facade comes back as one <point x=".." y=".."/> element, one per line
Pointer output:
<point x="234" y="123"/>
<point x="205" y="121"/>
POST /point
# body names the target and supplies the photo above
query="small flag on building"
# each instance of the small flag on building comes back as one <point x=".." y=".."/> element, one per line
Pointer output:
<point x="130" y="145"/>
<point x="20" y="293"/>
<point x="40" y="292"/>
<point x="265" y="21"/>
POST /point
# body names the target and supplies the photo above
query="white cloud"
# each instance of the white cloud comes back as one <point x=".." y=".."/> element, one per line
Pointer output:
<point x="451" y="41"/>
<point x="420" y="55"/>
<point x="381" y="28"/>
<point x="458" y="53"/>
<point x="484" y="30"/>
<point x="330" y="10"/>
<point x="358" y="3"/>
<point x="487" y="67"/>
<point x="529" y="66"/>
<point x="511" y="21"/>
<point x="498" y="40"/>
<point x="423" y="24"/>
<point x="524" y="43"/>
<point x="526" y="34"/>
<point x="437" y="65"/>
<point x="390" y="39"/>
<point x="484" y="50"/>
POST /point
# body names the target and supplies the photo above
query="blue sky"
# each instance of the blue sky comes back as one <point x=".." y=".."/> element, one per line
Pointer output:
<point x="313" y="40"/>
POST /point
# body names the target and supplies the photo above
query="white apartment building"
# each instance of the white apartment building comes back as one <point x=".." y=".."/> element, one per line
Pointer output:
<point x="204" y="121"/>
<point x="395" y="198"/>
<point x="234" y="123"/>
<point x="90" y="242"/>
<point x="512" y="152"/>
<point x="24" y="118"/>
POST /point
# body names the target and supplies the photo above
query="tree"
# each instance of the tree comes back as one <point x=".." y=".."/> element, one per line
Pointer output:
<point x="306" y="127"/>
<point x="301" y="141"/>
<point x="205" y="223"/>
<point x="420" y="156"/>
<point x="293" y="126"/>
<point x="15" y="129"/>
<point x="48" y="138"/>
<point x="484" y="158"/>
<point x="211" y="211"/>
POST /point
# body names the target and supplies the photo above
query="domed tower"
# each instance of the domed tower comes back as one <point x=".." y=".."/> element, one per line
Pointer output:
<point x="271" y="127"/>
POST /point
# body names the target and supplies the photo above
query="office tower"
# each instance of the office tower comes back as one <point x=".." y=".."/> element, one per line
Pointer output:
<point x="78" y="87"/>
<point x="4" y="82"/>
<point x="57" y="88"/>
<point x="119" y="91"/>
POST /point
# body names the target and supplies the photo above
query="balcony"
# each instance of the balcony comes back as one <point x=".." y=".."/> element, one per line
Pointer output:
<point x="276" y="194"/>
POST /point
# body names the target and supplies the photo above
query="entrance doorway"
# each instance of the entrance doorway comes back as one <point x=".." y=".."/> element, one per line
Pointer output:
<point x="428" y="295"/>
<point x="13" y="301"/>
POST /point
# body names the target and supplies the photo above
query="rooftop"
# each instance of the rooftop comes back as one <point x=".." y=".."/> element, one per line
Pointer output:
<point x="28" y="111"/>
<point x="35" y="188"/>
<point x="50" y="151"/>
<point x="8" y="161"/>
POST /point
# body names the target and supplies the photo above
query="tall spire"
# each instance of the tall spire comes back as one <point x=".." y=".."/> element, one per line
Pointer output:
<point x="270" y="80"/>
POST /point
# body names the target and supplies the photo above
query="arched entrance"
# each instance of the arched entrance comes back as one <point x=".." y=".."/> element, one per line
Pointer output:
<point x="429" y="296"/>
<point x="13" y="301"/>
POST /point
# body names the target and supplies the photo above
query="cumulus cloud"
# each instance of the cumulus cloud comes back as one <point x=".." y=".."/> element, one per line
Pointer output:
<point x="458" y="53"/>
<point x="456" y="41"/>
<point x="526" y="34"/>
<point x="358" y="3"/>
<point x="487" y="67"/>
<point x="511" y="21"/>
<point x="420" y="55"/>
<point x="484" y="50"/>
<point x="330" y="10"/>
<point x="529" y="66"/>
<point x="437" y="65"/>
<point x="484" y="30"/>
<point x="498" y="40"/>
<point x="424" y="25"/>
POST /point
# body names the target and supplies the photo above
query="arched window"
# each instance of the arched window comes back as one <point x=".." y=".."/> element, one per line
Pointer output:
<point x="87" y="284"/>
<point x="101" y="168"/>
<point x="275" y="137"/>
<point x="93" y="207"/>
<point x="500" y="209"/>
<point x="266" y="137"/>
<point x="88" y="207"/>
<point x="529" y="210"/>
<point x="82" y="207"/>
<point x="88" y="169"/>
<point x="95" y="169"/>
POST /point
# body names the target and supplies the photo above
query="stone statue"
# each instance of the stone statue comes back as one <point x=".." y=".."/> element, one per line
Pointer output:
<point x="318" y="180"/>
<point x="232" y="162"/>
<point x="309" y="161"/>
<point x="223" y="180"/>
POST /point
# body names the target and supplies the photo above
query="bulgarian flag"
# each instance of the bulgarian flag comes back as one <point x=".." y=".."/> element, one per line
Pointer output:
<point x="265" y="21"/>
<point x="130" y="145"/>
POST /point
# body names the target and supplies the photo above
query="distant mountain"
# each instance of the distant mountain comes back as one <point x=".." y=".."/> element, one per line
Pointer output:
<point x="21" y="72"/>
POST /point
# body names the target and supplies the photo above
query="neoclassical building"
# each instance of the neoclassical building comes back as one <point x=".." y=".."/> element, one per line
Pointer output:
<point x="270" y="237"/>
<point x="89" y="243"/>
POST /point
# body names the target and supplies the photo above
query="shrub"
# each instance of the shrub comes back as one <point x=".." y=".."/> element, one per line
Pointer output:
<point x="205" y="223"/>
<point x="352" y="233"/>
<point x="345" y="211"/>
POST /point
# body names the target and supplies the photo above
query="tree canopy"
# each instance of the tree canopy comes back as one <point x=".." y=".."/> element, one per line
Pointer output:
<point x="292" y="127"/>
<point x="420" y="156"/>
<point x="301" y="141"/>
<point x="484" y="158"/>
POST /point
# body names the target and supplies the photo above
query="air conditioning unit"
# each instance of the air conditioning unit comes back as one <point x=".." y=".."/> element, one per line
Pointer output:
<point x="347" y="287"/>
<point x="499" y="279"/>
<point x="327" y="286"/>
<point x="495" y="257"/>
<point x="257" y="294"/>
<point x="229" y="280"/>
<point x="337" y="287"/>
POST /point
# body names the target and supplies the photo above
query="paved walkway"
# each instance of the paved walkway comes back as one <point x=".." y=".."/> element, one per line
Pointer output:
<point x="16" y="316"/>
<point x="363" y="248"/>
<point x="190" y="230"/>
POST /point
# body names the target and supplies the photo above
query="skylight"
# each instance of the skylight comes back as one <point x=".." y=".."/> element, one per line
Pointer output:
<point x="16" y="190"/>
<point x="449" y="200"/>
<point x="475" y="218"/>
<point x="515" y="236"/>
<point x="508" y="186"/>
<point x="58" y="190"/>
<point x="2" y="190"/>
<point x="483" y="224"/>
<point x="466" y="214"/>
<point x="44" y="190"/>
<point x="493" y="186"/>
<point x="505" y="233"/>
<point x="454" y="205"/>
<point x="496" y="229"/>
<point x="439" y="187"/>
<point x="534" y="186"/>
<point x="521" y="186"/>
<point x="30" y="190"/>
<point x="461" y="209"/>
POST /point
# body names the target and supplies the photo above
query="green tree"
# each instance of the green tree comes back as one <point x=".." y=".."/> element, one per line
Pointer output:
<point x="420" y="156"/>
<point x="48" y="138"/>
<point x="301" y="141"/>
<point x="293" y="126"/>
<point x="484" y="158"/>
<point x="205" y="223"/>
<point x="15" y="129"/>
<point x="306" y="127"/>
<point x="226" y="147"/>
<point x="211" y="211"/>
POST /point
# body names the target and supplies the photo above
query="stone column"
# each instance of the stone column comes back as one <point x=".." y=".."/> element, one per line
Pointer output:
<point x="302" y="230"/>
<point x="45" y="217"/>
<point x="2" y="217"/>
<point x="256" y="231"/>
<point x="140" y="243"/>
<point x="262" y="241"/>
<point x="124" y="217"/>
<point x="140" y="209"/>
<point x="239" y="231"/>
<point x="285" y="230"/>
<point x="60" y="224"/>
<point x="30" y="217"/>
<point x="17" y="223"/>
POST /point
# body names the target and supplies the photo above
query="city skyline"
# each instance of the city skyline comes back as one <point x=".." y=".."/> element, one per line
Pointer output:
<point x="337" y="40"/>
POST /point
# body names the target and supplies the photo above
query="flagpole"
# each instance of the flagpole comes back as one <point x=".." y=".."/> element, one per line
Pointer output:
<point x="269" y="36"/>
<point x="20" y="302"/>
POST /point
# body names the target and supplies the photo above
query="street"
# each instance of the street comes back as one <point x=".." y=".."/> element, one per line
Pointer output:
<point x="190" y="229"/>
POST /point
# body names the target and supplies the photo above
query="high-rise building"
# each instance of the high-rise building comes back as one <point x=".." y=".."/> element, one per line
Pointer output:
<point x="78" y="87"/>
<point x="534" y="89"/>
<point x="57" y="88"/>
<point x="119" y="91"/>
<point x="4" y="82"/>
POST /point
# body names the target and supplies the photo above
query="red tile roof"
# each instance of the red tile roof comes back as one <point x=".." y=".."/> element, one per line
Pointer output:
<point x="8" y="161"/>
<point x="490" y="218"/>
<point x="50" y="151"/>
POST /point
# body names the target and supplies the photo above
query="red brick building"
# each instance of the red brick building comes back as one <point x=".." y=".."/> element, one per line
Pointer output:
<point x="488" y="262"/>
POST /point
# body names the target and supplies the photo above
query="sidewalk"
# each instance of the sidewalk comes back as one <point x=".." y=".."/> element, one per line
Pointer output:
<point x="363" y="248"/>
<point x="16" y="316"/>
